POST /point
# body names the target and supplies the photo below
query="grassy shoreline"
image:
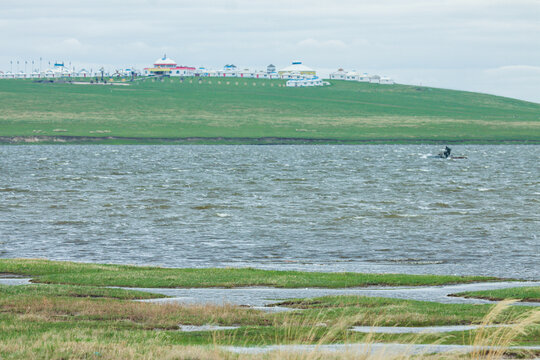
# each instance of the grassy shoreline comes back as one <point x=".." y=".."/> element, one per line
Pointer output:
<point x="82" y="140"/>
<point x="88" y="274"/>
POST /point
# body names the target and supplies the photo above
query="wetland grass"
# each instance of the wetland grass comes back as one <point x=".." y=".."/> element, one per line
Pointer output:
<point x="59" y="321"/>
<point x="82" y="328"/>
<point x="60" y="272"/>
<point x="531" y="294"/>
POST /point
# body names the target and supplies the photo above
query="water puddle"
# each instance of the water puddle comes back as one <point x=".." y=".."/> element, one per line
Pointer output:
<point x="193" y="328"/>
<point x="8" y="279"/>
<point x="264" y="297"/>
<point x="375" y="348"/>
<point x="417" y="330"/>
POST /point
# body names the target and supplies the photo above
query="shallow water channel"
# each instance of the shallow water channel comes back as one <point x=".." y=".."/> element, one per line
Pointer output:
<point x="380" y="349"/>
<point x="263" y="297"/>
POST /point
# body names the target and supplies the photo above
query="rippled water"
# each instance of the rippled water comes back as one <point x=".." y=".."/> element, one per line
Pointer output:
<point x="326" y="208"/>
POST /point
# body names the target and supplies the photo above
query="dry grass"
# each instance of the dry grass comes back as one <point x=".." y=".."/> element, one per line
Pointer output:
<point x="55" y="347"/>
<point x="74" y="345"/>
<point x="493" y="343"/>
<point x="147" y="315"/>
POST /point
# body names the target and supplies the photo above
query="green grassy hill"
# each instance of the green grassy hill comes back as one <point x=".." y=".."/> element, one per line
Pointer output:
<point x="259" y="111"/>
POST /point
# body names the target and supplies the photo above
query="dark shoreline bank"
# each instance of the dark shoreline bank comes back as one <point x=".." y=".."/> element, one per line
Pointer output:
<point x="115" y="140"/>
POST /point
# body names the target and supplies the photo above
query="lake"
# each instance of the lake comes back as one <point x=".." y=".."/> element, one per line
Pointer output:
<point x="364" y="208"/>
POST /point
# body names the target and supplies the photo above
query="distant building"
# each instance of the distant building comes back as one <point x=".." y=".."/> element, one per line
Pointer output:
<point x="202" y="72"/>
<point x="271" y="69"/>
<point x="386" y="80"/>
<point x="84" y="73"/>
<point x="340" y="74"/>
<point x="305" y="82"/>
<point x="364" y="77"/>
<point x="246" y="73"/>
<point x="352" y="76"/>
<point x="168" y="67"/>
<point x="296" y="70"/>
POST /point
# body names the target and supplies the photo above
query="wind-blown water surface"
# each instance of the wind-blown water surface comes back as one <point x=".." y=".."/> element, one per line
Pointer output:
<point x="326" y="208"/>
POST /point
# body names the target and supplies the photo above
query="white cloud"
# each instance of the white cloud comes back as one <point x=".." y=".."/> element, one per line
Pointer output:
<point x="427" y="36"/>
<point x="322" y="43"/>
<point x="515" y="70"/>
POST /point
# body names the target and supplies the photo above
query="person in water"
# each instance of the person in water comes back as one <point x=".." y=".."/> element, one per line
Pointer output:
<point x="446" y="152"/>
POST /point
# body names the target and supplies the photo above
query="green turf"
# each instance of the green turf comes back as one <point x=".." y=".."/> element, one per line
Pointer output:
<point x="393" y="312"/>
<point x="163" y="112"/>
<point x="136" y="276"/>
<point x="531" y="293"/>
<point x="75" y="292"/>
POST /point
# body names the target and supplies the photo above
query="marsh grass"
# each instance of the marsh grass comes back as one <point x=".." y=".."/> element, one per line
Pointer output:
<point x="136" y="314"/>
<point x="486" y="342"/>
<point x="40" y="333"/>
<point x="529" y="293"/>
<point x="58" y="272"/>
<point x="86" y="322"/>
<point x="395" y="312"/>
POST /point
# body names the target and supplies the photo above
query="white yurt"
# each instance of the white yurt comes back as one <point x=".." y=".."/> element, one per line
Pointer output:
<point x="305" y="82"/>
<point x="386" y="80"/>
<point x="164" y="62"/>
<point x="352" y="76"/>
<point x="364" y="78"/>
<point x="296" y="67"/>
<point x="340" y="74"/>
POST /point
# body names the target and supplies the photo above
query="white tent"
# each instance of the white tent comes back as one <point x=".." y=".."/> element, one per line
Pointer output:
<point x="296" y="67"/>
<point x="352" y="76"/>
<point x="340" y="74"/>
<point x="364" y="78"/>
<point x="386" y="80"/>
<point x="49" y="73"/>
<point x="246" y="73"/>
<point x="305" y="82"/>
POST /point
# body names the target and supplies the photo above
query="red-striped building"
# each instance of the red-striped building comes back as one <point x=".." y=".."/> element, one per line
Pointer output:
<point x="168" y="67"/>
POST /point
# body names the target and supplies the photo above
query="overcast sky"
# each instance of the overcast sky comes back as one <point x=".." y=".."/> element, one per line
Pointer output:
<point x="478" y="45"/>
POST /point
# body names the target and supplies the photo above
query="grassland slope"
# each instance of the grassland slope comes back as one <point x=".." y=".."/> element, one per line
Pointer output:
<point x="260" y="111"/>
